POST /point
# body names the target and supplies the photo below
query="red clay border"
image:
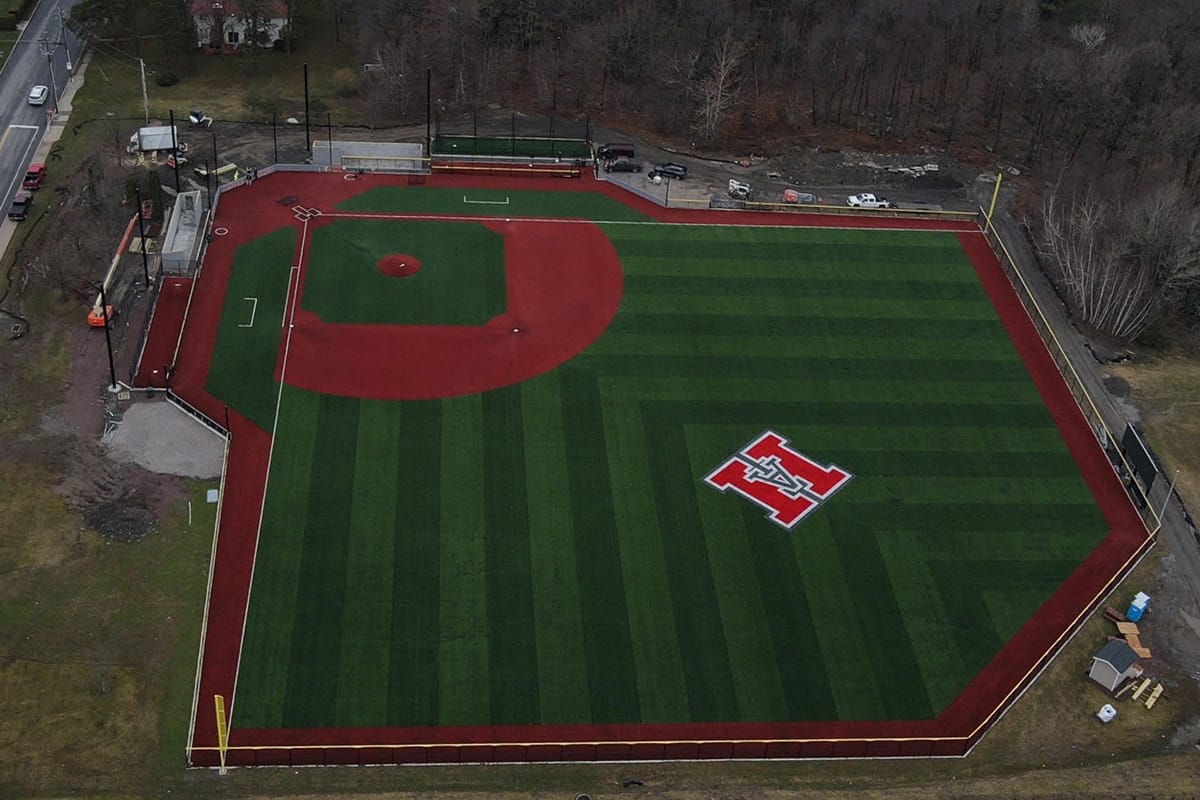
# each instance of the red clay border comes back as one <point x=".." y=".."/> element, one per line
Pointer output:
<point x="254" y="211"/>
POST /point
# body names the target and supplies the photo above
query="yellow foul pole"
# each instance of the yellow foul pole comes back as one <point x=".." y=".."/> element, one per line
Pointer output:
<point x="222" y="729"/>
<point x="995" y="194"/>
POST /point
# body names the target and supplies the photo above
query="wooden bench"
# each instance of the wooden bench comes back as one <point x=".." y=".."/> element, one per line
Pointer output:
<point x="1153" y="698"/>
<point x="1140" y="689"/>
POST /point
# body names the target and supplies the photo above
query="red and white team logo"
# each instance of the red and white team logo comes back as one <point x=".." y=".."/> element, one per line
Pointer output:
<point x="788" y="484"/>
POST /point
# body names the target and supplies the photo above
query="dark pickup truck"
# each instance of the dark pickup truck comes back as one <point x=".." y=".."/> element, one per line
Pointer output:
<point x="19" y="209"/>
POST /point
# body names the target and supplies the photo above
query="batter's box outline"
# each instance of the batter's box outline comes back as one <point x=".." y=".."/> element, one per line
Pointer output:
<point x="305" y="214"/>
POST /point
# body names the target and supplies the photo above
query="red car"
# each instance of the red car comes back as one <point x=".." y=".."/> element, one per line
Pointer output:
<point x="34" y="177"/>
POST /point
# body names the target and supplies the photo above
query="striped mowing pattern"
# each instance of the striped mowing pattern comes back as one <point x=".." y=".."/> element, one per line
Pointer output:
<point x="547" y="552"/>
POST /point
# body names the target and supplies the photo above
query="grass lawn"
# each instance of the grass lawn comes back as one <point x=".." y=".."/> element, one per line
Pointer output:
<point x="547" y="552"/>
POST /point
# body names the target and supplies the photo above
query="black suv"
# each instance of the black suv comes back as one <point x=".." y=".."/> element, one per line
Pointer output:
<point x="614" y="150"/>
<point x="669" y="169"/>
<point x="623" y="165"/>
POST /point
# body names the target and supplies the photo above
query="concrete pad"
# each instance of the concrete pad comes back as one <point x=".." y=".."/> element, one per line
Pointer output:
<point x="158" y="436"/>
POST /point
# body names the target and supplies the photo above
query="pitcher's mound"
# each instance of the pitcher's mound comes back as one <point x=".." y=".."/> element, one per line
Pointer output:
<point x="399" y="265"/>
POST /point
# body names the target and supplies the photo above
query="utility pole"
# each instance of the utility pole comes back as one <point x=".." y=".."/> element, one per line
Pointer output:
<point x="145" y="97"/>
<point x="48" y="52"/>
<point x="174" y="160"/>
<point x="62" y="37"/>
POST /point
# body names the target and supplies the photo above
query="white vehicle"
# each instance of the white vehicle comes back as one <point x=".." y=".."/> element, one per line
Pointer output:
<point x="868" y="200"/>
<point x="739" y="189"/>
<point x="38" y="95"/>
<point x="199" y="119"/>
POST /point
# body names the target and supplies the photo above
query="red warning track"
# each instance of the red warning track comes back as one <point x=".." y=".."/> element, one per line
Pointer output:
<point x="165" y="327"/>
<point x="557" y="314"/>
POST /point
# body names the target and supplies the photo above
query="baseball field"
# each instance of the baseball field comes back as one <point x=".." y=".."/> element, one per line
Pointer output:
<point x="531" y="464"/>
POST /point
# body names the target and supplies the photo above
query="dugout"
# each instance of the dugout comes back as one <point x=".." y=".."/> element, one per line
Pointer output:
<point x="370" y="156"/>
<point x="180" y="247"/>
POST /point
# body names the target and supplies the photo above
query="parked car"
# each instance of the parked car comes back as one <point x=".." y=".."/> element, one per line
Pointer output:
<point x="38" y="95"/>
<point x="868" y="200"/>
<point x="612" y="150"/>
<point x="668" y="169"/>
<point x="19" y="209"/>
<point x="796" y="196"/>
<point x="623" y="165"/>
<point x="35" y="176"/>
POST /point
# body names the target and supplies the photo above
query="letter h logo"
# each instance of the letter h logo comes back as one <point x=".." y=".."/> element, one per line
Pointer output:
<point x="788" y="484"/>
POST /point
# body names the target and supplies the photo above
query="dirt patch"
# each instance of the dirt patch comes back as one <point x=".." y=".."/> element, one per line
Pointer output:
<point x="399" y="265"/>
<point x="122" y="520"/>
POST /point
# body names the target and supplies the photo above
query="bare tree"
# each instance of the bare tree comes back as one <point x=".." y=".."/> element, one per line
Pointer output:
<point x="1121" y="265"/>
<point x="716" y="90"/>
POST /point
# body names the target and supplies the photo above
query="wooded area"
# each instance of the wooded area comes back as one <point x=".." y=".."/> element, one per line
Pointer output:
<point x="1101" y="98"/>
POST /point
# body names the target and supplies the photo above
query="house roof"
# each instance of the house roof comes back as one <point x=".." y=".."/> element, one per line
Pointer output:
<point x="272" y="9"/>
<point x="1118" y="654"/>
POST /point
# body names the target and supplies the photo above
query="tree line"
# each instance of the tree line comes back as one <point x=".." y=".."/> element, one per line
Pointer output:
<point x="1100" y="96"/>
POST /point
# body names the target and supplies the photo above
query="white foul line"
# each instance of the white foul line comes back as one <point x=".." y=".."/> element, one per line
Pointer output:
<point x="289" y="316"/>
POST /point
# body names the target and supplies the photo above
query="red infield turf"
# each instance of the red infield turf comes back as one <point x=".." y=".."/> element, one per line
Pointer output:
<point x="551" y="317"/>
<point x="324" y="359"/>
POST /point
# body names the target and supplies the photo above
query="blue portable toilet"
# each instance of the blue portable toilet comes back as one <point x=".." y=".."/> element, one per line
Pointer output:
<point x="1141" y="601"/>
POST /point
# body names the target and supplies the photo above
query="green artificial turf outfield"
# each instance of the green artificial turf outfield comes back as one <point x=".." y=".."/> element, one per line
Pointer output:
<point x="243" y="367"/>
<point x="460" y="282"/>
<point x="527" y="147"/>
<point x="491" y="203"/>
<point x="547" y="553"/>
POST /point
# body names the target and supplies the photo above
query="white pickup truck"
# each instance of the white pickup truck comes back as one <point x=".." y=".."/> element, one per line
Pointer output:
<point x="868" y="200"/>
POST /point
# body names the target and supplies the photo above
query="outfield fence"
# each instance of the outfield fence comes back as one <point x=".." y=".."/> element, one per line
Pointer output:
<point x="588" y="751"/>
<point x="1083" y="398"/>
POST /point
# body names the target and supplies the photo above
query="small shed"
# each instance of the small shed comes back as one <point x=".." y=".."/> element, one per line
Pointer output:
<point x="1115" y="662"/>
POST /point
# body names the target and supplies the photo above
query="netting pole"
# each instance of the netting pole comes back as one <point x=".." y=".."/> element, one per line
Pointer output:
<point x="995" y="194"/>
<point x="222" y="730"/>
<point x="275" y="137"/>
<point x="428" y="110"/>
<point x="307" y="133"/>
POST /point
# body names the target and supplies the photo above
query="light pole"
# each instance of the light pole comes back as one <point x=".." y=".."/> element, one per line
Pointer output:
<point x="112" y="367"/>
<point x="137" y="193"/>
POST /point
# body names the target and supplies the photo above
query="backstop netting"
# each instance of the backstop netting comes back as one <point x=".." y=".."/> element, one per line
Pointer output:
<point x="514" y="137"/>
